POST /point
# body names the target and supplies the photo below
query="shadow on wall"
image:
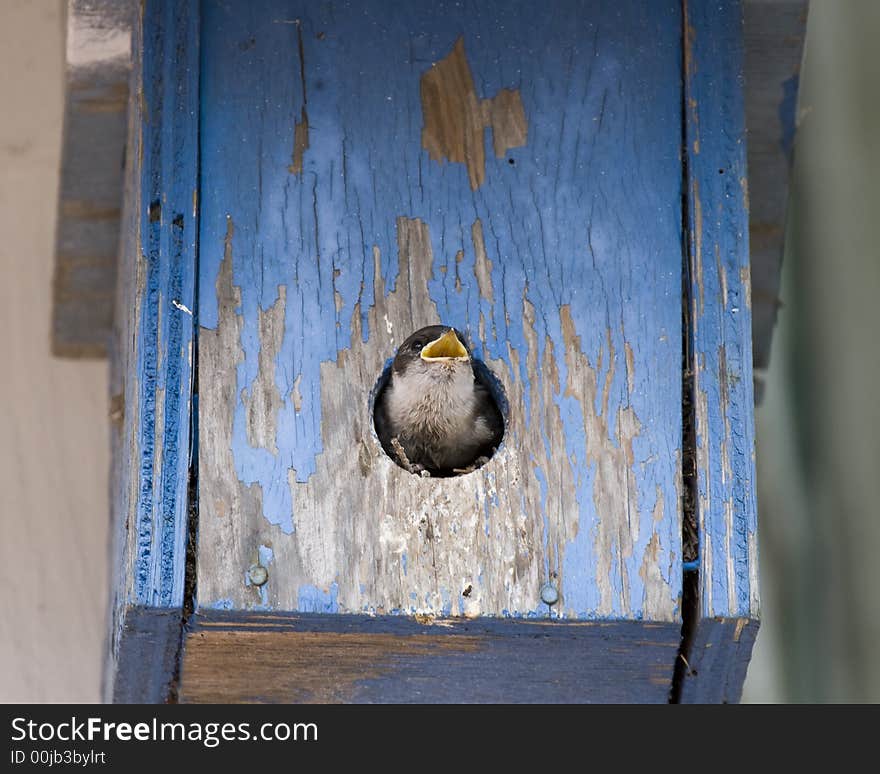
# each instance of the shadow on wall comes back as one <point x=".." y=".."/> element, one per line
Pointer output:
<point x="819" y="425"/>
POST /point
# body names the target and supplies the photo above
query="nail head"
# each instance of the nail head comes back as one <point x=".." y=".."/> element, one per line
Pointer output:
<point x="257" y="574"/>
<point x="549" y="594"/>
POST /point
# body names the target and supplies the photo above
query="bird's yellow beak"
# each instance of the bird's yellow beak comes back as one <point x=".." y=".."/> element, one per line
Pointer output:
<point x="447" y="347"/>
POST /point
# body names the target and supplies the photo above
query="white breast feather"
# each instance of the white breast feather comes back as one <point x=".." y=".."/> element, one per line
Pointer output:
<point x="439" y="411"/>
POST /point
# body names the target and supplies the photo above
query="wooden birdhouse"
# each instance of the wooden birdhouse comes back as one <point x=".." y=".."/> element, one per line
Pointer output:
<point x="306" y="185"/>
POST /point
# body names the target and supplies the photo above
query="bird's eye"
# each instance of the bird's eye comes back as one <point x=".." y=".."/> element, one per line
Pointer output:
<point x="417" y="345"/>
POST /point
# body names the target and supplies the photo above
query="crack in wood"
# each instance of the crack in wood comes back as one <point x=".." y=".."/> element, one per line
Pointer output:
<point x="301" y="127"/>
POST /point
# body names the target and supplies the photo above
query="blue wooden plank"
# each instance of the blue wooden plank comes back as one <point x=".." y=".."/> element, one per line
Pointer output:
<point x="721" y="308"/>
<point x="153" y="361"/>
<point x="718" y="660"/>
<point x="148" y="659"/>
<point x="165" y="332"/>
<point x="561" y="259"/>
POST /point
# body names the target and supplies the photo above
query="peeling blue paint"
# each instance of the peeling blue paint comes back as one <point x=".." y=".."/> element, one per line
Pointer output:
<point x="311" y="599"/>
<point x="218" y="604"/>
<point x="266" y="555"/>
<point x="588" y="215"/>
<point x="446" y="602"/>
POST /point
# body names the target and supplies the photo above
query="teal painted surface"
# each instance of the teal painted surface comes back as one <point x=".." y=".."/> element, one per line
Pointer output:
<point x="583" y="222"/>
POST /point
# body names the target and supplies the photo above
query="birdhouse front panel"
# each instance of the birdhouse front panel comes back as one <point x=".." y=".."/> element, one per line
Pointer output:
<point x="509" y="171"/>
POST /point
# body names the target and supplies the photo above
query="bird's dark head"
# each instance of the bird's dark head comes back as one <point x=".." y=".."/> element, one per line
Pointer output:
<point x="436" y="351"/>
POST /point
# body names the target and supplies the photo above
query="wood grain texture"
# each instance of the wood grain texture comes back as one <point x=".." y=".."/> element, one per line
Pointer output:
<point x="152" y="363"/>
<point x="454" y="118"/>
<point x="270" y="658"/>
<point x="97" y="72"/>
<point x="147" y="660"/>
<point x="718" y="661"/>
<point x="561" y="260"/>
<point x="721" y="309"/>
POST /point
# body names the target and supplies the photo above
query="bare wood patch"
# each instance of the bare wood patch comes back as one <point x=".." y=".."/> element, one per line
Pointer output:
<point x="482" y="264"/>
<point x="263" y="401"/>
<point x="655" y="597"/>
<point x="745" y="278"/>
<point x="630" y="367"/>
<point x="505" y="114"/>
<point x="223" y="666"/>
<point x="371" y="537"/>
<point x="300" y="142"/>
<point x="454" y="118"/>
<point x="227" y="506"/>
<point x="615" y="493"/>
<point x="697" y="259"/>
<point x="703" y="464"/>
<point x="301" y="127"/>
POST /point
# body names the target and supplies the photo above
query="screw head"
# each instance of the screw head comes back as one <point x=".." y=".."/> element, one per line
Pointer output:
<point x="549" y="594"/>
<point x="257" y="574"/>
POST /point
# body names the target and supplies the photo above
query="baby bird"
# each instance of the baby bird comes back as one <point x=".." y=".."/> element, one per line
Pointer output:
<point x="435" y="416"/>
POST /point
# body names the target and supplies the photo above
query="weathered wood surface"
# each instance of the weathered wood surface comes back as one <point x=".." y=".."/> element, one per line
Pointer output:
<point x="720" y="316"/>
<point x="773" y="39"/>
<point x="349" y="195"/>
<point x="315" y="658"/>
<point x="151" y="380"/>
<point x="98" y="68"/>
<point x="718" y="660"/>
<point x="98" y="64"/>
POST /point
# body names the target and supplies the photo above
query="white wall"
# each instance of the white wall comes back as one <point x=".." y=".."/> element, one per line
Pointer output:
<point x="54" y="434"/>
